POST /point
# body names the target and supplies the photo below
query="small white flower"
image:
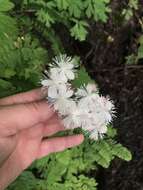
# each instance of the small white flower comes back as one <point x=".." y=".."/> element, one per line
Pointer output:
<point x="76" y="117"/>
<point x="107" y="104"/>
<point x="108" y="108"/>
<point x="90" y="103"/>
<point x="62" y="101"/>
<point x="65" y="67"/>
<point x="72" y="120"/>
<point x="53" y="84"/>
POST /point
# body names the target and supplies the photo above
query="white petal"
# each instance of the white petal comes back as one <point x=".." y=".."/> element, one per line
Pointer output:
<point x="102" y="129"/>
<point x="69" y="93"/>
<point x="81" y="93"/>
<point x="70" y="66"/>
<point x="63" y="76"/>
<point x="54" y="72"/>
<point x="91" y="88"/>
<point x="70" y="74"/>
<point x="108" y="117"/>
<point x="56" y="76"/>
<point x="94" y="135"/>
<point x="72" y="107"/>
<point x="52" y="92"/>
<point x="45" y="83"/>
<point x="63" y="106"/>
<point x="69" y="123"/>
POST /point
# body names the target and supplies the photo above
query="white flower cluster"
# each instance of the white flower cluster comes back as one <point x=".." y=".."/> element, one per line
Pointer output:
<point x="81" y="107"/>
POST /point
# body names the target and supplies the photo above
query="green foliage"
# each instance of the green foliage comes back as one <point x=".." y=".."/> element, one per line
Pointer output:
<point x="21" y="60"/>
<point x="26" y="181"/>
<point x="5" y="5"/>
<point x="79" y="30"/>
<point x="129" y="11"/>
<point x="72" y="14"/>
<point x="7" y="23"/>
<point x="97" y="9"/>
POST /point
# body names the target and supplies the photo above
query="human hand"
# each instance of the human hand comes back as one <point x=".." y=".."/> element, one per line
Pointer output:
<point x="25" y="119"/>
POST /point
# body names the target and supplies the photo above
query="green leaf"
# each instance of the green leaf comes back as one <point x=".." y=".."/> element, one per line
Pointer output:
<point x="5" y="5"/>
<point x="5" y="84"/>
<point x="82" y="78"/>
<point x="133" y="4"/>
<point x="75" y="8"/>
<point x="7" y="26"/>
<point x="122" y="152"/>
<point x="45" y="17"/>
<point x="26" y="181"/>
<point x="8" y="73"/>
<point x="64" y="157"/>
<point x="62" y="4"/>
<point x="112" y="132"/>
<point x="97" y="9"/>
<point x="79" y="30"/>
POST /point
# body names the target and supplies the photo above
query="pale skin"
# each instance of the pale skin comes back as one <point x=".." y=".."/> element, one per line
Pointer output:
<point x="25" y="119"/>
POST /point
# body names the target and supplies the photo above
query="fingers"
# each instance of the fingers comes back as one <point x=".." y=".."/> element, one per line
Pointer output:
<point x="53" y="126"/>
<point x="31" y="96"/>
<point x="18" y="117"/>
<point x="24" y="154"/>
<point x="7" y="145"/>
<point x="52" y="129"/>
<point x="59" y="144"/>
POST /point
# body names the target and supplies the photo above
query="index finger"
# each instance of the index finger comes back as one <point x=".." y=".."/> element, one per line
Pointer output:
<point x="25" y="97"/>
<point x="22" y="116"/>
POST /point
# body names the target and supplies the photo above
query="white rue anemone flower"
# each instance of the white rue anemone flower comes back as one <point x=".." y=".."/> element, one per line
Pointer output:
<point x="53" y="83"/>
<point x="64" y="66"/>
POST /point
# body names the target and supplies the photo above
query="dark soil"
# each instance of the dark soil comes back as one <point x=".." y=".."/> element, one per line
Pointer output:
<point x="105" y="62"/>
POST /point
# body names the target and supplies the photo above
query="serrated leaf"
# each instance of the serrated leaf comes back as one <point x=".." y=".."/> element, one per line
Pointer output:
<point x="97" y="9"/>
<point x="75" y="8"/>
<point x="64" y="157"/>
<point x="122" y="152"/>
<point x="133" y="4"/>
<point x="79" y="30"/>
<point x="62" y="4"/>
<point x="45" y="17"/>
